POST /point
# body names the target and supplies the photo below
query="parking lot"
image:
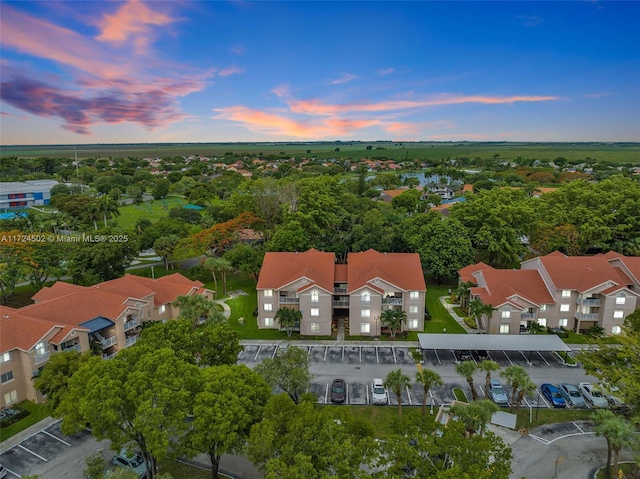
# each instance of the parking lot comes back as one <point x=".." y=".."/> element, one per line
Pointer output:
<point x="358" y="365"/>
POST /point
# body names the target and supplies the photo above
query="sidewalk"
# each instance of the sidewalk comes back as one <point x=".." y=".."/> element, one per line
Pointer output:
<point x="454" y="315"/>
<point x="26" y="433"/>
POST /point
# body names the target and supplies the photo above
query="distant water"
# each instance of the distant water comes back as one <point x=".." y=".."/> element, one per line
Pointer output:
<point x="432" y="180"/>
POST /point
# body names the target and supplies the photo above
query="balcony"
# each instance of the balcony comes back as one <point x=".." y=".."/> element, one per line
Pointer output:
<point x="587" y="316"/>
<point x="75" y="347"/>
<point x="342" y="303"/>
<point x="131" y="340"/>
<point x="527" y="315"/>
<point x="393" y="301"/>
<point x="129" y="325"/>
<point x="340" y="289"/>
<point x="589" y="302"/>
<point x="289" y="299"/>
<point x="106" y="342"/>
<point x="41" y="358"/>
<point x="109" y="356"/>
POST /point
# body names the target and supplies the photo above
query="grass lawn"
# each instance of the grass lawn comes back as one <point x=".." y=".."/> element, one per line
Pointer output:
<point x="382" y="418"/>
<point x="152" y="210"/>
<point x="37" y="413"/>
<point x="550" y="416"/>
<point x="440" y="317"/>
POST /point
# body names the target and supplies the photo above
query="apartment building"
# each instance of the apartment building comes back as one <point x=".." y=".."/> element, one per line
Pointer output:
<point x="358" y="291"/>
<point x="574" y="292"/>
<point x="22" y="194"/>
<point x="104" y="318"/>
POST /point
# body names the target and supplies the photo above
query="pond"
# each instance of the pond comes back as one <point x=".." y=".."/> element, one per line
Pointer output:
<point x="433" y="180"/>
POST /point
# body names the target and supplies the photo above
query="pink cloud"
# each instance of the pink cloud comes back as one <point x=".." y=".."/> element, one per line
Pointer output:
<point x="281" y="91"/>
<point x="131" y="23"/>
<point x="345" y="78"/>
<point x="238" y="49"/>
<point x="598" y="95"/>
<point x="233" y="70"/>
<point x="385" y="71"/>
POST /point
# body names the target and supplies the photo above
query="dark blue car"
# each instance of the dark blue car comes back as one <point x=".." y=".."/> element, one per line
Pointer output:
<point x="552" y="394"/>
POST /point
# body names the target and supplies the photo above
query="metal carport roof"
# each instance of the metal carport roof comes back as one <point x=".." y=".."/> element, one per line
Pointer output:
<point x="493" y="342"/>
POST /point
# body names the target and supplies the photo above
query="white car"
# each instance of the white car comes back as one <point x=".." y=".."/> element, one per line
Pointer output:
<point x="378" y="392"/>
<point x="591" y="394"/>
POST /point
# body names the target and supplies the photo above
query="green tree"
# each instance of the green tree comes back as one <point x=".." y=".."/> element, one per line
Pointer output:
<point x="488" y="366"/>
<point x="397" y="381"/>
<point x="393" y="319"/>
<point x="428" y="378"/>
<point x="476" y="310"/>
<point x="107" y="208"/>
<point x="229" y="403"/>
<point x="161" y="189"/>
<point x="463" y="293"/>
<point x="246" y="259"/>
<point x="198" y="309"/>
<point x="164" y="247"/>
<point x="288" y="371"/>
<point x="140" y="396"/>
<point x="409" y="202"/>
<point x="618" y="433"/>
<point x="475" y="415"/>
<point x="516" y="377"/>
<point x="288" y="318"/>
<point x="96" y="466"/>
<point x="290" y="236"/>
<point x="466" y="370"/>
<point x="54" y="378"/>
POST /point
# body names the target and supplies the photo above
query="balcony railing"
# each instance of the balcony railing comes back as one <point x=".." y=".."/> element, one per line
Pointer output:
<point x="75" y="347"/>
<point x="392" y="301"/>
<point x="339" y="290"/>
<point x="131" y="324"/>
<point x="341" y="303"/>
<point x="289" y="299"/>
<point x="109" y="356"/>
<point x="589" y="302"/>
<point x="41" y="358"/>
<point x="587" y="316"/>
<point x="527" y="315"/>
<point x="131" y="340"/>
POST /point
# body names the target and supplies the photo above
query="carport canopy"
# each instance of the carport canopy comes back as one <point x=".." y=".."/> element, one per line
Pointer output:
<point x="493" y="342"/>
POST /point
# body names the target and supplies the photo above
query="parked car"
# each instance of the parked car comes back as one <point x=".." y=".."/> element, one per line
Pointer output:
<point x="497" y="392"/>
<point x="481" y="355"/>
<point x="3" y="471"/>
<point x="591" y="394"/>
<point x="571" y="395"/>
<point x="378" y="392"/>
<point x="130" y="460"/>
<point x="612" y="395"/>
<point x="464" y="355"/>
<point x="552" y="394"/>
<point x="338" y="391"/>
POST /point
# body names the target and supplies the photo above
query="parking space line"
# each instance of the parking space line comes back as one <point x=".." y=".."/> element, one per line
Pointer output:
<point x="326" y="394"/>
<point x="526" y="359"/>
<point x="367" y="391"/>
<point x="346" y="386"/>
<point x="377" y="357"/>
<point x="526" y="402"/>
<point x="326" y="348"/>
<point x="505" y="355"/>
<point x="543" y="399"/>
<point x="257" y="352"/>
<point x="543" y="441"/>
<point x="393" y="350"/>
<point x="31" y="452"/>
<point x="482" y="390"/>
<point x="342" y="354"/>
<point x="578" y="427"/>
<point x="360" y="349"/>
<point x="437" y="356"/>
<point x="543" y="358"/>
<point x="275" y="352"/>
<point x="49" y="434"/>
<point x="490" y="357"/>
<point x="409" y="396"/>
<point x="11" y="472"/>
<point x="240" y="354"/>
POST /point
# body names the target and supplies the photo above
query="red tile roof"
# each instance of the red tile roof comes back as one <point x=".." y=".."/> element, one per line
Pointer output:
<point x="341" y="273"/>
<point x="279" y="269"/>
<point x="503" y="284"/>
<point x="403" y="270"/>
<point x="466" y="273"/>
<point x="570" y="272"/>
<point x="57" y="290"/>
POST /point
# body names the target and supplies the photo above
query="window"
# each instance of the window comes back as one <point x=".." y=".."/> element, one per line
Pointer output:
<point x="542" y="322"/>
<point x="544" y="307"/>
<point x="616" y="329"/>
<point x="315" y="311"/>
<point x="6" y="377"/>
<point x="621" y="298"/>
<point x="563" y="322"/>
<point x="565" y="307"/>
<point x="413" y="324"/>
<point x="504" y="329"/>
<point x="10" y="397"/>
<point x="162" y="309"/>
<point x="365" y="297"/>
<point x="365" y="328"/>
<point x="618" y="314"/>
<point x="414" y="294"/>
<point x="268" y="293"/>
<point x="315" y="327"/>
<point x="365" y="313"/>
<point x="566" y="293"/>
<point x="268" y="321"/>
<point x="5" y="357"/>
<point x="506" y="313"/>
<point x="268" y="307"/>
<point x="315" y="296"/>
<point x="40" y="349"/>
<point x="413" y="309"/>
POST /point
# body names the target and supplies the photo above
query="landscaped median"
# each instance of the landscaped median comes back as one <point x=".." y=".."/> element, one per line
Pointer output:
<point x="34" y="413"/>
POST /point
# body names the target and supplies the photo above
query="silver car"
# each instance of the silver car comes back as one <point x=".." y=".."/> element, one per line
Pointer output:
<point x="378" y="392"/>
<point x="591" y="394"/>
<point x="497" y="393"/>
<point x="571" y="395"/>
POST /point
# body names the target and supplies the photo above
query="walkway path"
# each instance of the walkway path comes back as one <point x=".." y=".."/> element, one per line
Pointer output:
<point x="340" y="333"/>
<point x="449" y="307"/>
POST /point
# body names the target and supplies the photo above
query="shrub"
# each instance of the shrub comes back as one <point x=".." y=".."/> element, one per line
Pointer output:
<point x="8" y="421"/>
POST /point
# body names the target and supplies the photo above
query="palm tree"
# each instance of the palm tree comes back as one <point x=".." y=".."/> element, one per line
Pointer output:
<point x="475" y="415"/>
<point x="463" y="294"/>
<point x="618" y="434"/>
<point x="196" y="308"/>
<point x="488" y="366"/>
<point x="165" y="246"/>
<point x="224" y="266"/>
<point x="212" y="265"/>
<point x="515" y="376"/>
<point x="288" y="318"/>
<point x="393" y="319"/>
<point x="476" y="310"/>
<point x="487" y="310"/>
<point x="466" y="370"/>
<point x="397" y="381"/>
<point x="428" y="378"/>
<point x="108" y="208"/>
<point x="526" y="387"/>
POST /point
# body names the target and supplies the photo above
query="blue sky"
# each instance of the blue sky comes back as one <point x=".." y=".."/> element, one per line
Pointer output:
<point x="180" y="71"/>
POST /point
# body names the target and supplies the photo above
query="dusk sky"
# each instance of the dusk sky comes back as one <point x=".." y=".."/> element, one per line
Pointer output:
<point x="181" y="71"/>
